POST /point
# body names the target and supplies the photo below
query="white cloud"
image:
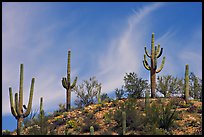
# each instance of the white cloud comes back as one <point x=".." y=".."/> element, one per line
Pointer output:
<point x="21" y="44"/>
<point x="125" y="53"/>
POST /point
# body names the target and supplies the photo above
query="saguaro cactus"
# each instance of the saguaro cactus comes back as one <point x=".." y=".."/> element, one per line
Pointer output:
<point x="124" y="121"/>
<point x="99" y="96"/>
<point x="17" y="107"/>
<point x="186" y="96"/>
<point x="41" y="116"/>
<point x="156" y="52"/>
<point x="66" y="83"/>
<point x="91" y="130"/>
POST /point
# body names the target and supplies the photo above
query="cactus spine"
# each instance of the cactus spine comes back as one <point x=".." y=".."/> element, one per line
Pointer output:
<point x="91" y="130"/>
<point x="124" y="121"/>
<point x="17" y="107"/>
<point x="66" y="83"/>
<point x="186" y="83"/>
<point x="156" y="52"/>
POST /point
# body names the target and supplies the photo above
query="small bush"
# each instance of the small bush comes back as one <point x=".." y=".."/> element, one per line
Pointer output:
<point x="71" y="124"/>
<point x="88" y="121"/>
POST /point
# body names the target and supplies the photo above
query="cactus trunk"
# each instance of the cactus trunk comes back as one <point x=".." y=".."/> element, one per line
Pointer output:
<point x="155" y="53"/>
<point x="124" y="122"/>
<point x="17" y="107"/>
<point x="153" y="83"/>
<point x="68" y="106"/>
<point x="187" y="83"/>
<point x="19" y="126"/>
<point x="66" y="83"/>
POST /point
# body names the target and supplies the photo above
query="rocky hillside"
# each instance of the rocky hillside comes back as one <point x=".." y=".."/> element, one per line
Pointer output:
<point x="106" y="119"/>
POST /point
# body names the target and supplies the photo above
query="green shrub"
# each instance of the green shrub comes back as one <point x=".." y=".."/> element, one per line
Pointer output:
<point x="134" y="117"/>
<point x="71" y="124"/>
<point x="161" y="115"/>
<point x="88" y="121"/>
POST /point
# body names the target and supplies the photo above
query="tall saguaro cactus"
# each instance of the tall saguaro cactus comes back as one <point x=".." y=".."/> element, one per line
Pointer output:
<point x="17" y="107"/>
<point x="186" y="83"/>
<point x="66" y="83"/>
<point x="156" y="52"/>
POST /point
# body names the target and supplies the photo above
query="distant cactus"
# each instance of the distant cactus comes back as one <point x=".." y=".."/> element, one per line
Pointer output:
<point x="186" y="96"/>
<point x="147" y="103"/>
<point x="155" y="53"/>
<point x="99" y="96"/>
<point x="124" y="122"/>
<point x="42" y="116"/>
<point x="17" y="107"/>
<point x="91" y="130"/>
<point x="66" y="83"/>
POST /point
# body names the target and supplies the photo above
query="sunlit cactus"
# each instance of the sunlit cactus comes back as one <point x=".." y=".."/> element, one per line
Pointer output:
<point x="91" y="130"/>
<point x="66" y="83"/>
<point x="99" y="96"/>
<point x="186" y="96"/>
<point x="124" y="122"/>
<point x="156" y="52"/>
<point x="17" y="107"/>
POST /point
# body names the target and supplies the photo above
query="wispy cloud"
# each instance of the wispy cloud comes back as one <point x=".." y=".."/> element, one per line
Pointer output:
<point x="24" y="43"/>
<point x="125" y="52"/>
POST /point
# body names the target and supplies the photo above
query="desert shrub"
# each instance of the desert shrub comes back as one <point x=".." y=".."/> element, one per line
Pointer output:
<point x="60" y="110"/>
<point x="107" y="118"/>
<point x="192" y="109"/>
<point x="88" y="121"/>
<point x="6" y="132"/>
<point x="59" y="121"/>
<point x="134" y="85"/>
<point x="71" y="124"/>
<point x="154" y="130"/>
<point x="98" y="108"/>
<point x="119" y="93"/>
<point x="134" y="117"/>
<point x="161" y="115"/>
<point x="87" y="92"/>
<point x="34" y="130"/>
<point x="31" y="119"/>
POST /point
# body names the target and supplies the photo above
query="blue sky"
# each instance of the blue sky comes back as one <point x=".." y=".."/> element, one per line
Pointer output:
<point x="106" y="40"/>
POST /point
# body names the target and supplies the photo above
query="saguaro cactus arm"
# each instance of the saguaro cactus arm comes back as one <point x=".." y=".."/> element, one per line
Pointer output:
<point x="74" y="83"/>
<point x="159" y="51"/>
<point x="17" y="105"/>
<point x="147" y="52"/>
<point x="64" y="83"/>
<point x="30" y="99"/>
<point x="162" y="65"/>
<point x="145" y="63"/>
<point x="13" y="107"/>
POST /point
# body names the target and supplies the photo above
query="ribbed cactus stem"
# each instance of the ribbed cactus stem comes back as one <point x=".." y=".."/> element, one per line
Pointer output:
<point x="99" y="96"/>
<point x="124" y="122"/>
<point x="13" y="107"/>
<point x="29" y="106"/>
<point x="17" y="108"/>
<point x="155" y="53"/>
<point x="66" y="83"/>
<point x="68" y="66"/>
<point x="20" y="107"/>
<point x="186" y="83"/>
<point x="41" y="116"/>
<point x="41" y="105"/>
<point x="91" y="130"/>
